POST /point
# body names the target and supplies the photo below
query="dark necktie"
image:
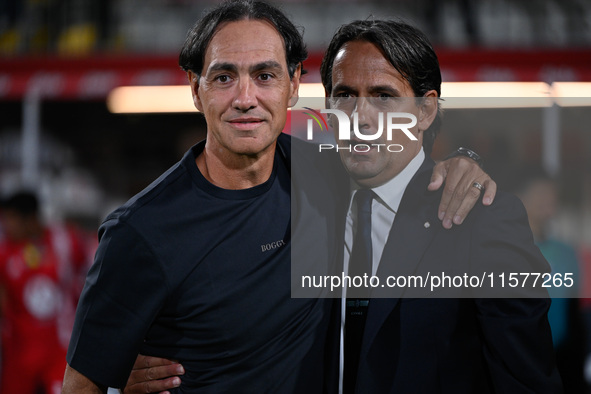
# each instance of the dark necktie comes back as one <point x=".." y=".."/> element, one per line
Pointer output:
<point x="360" y="263"/>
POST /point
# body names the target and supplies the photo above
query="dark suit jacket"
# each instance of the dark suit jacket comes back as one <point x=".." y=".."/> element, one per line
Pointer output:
<point x="457" y="345"/>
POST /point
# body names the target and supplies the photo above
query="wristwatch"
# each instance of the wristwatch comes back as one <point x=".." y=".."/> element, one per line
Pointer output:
<point x="461" y="151"/>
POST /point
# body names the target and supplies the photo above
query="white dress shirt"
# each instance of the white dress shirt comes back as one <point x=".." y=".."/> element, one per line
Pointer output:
<point x="383" y="212"/>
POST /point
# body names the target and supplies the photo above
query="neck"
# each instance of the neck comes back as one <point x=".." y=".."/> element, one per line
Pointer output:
<point x="235" y="171"/>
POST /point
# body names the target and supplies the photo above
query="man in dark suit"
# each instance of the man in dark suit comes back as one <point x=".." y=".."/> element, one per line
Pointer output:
<point x="457" y="339"/>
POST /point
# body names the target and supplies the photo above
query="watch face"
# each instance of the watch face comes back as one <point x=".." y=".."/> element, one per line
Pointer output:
<point x="461" y="151"/>
<point x="471" y="154"/>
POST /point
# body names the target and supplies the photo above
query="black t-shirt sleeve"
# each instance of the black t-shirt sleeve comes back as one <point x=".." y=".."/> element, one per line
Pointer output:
<point x="124" y="290"/>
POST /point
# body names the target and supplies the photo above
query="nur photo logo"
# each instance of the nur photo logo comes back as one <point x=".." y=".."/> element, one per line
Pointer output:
<point x="348" y="128"/>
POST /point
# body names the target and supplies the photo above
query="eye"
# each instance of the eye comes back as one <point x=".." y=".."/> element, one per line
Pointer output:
<point x="343" y="95"/>
<point x="265" y="77"/>
<point x="384" y="96"/>
<point x="222" y="78"/>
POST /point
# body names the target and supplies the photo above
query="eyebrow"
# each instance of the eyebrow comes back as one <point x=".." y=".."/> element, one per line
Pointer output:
<point x="222" y="67"/>
<point x="373" y="89"/>
<point x="270" y="64"/>
<point x="385" y="88"/>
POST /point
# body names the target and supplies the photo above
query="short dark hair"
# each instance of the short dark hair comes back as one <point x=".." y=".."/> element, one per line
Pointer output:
<point x="406" y="48"/>
<point x="24" y="203"/>
<point x="198" y="37"/>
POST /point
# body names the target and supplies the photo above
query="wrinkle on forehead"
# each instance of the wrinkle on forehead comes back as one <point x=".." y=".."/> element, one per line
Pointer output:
<point x="257" y="31"/>
<point x="352" y="65"/>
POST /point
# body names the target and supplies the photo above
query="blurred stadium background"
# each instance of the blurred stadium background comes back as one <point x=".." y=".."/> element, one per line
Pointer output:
<point x="61" y="62"/>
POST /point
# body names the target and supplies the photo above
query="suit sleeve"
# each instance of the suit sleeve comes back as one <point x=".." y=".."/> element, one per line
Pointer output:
<point x="517" y="339"/>
<point x="124" y="290"/>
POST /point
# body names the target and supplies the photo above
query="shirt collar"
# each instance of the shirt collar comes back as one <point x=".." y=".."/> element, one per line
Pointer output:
<point x="391" y="192"/>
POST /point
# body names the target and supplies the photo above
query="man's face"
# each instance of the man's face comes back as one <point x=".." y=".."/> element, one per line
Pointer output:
<point x="365" y="82"/>
<point x="245" y="88"/>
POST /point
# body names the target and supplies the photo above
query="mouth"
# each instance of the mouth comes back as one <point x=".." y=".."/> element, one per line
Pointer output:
<point x="249" y="123"/>
<point x="362" y="148"/>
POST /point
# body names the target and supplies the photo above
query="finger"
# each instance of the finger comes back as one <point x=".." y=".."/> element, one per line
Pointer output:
<point x="153" y="373"/>
<point x="464" y="197"/>
<point x="463" y="202"/>
<point x="438" y="176"/>
<point x="451" y="192"/>
<point x="153" y="386"/>
<point x="147" y="361"/>
<point x="490" y="191"/>
<point x="471" y="197"/>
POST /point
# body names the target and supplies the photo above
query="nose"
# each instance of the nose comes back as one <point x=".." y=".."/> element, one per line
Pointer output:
<point x="245" y="98"/>
<point x="361" y="115"/>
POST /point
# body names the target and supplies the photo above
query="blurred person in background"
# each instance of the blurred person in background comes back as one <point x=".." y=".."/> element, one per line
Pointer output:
<point x="38" y="265"/>
<point x="540" y="195"/>
<point x="586" y="308"/>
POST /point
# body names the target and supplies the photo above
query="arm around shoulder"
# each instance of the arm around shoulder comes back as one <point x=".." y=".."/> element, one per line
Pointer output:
<point x="76" y="383"/>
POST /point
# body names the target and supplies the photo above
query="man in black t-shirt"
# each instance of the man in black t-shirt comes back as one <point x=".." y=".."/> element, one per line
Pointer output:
<point x="196" y="267"/>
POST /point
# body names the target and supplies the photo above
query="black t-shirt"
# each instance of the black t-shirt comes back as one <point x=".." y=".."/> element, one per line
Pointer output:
<point x="189" y="271"/>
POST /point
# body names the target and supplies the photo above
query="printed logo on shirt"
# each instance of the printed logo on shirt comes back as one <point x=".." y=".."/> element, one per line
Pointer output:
<point x="272" y="245"/>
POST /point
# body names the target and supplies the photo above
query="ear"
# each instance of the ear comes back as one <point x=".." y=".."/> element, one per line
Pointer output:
<point x="194" y="82"/>
<point x="295" y="86"/>
<point x="428" y="110"/>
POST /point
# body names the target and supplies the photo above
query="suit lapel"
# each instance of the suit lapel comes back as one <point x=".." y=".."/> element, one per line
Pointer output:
<point x="409" y="237"/>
